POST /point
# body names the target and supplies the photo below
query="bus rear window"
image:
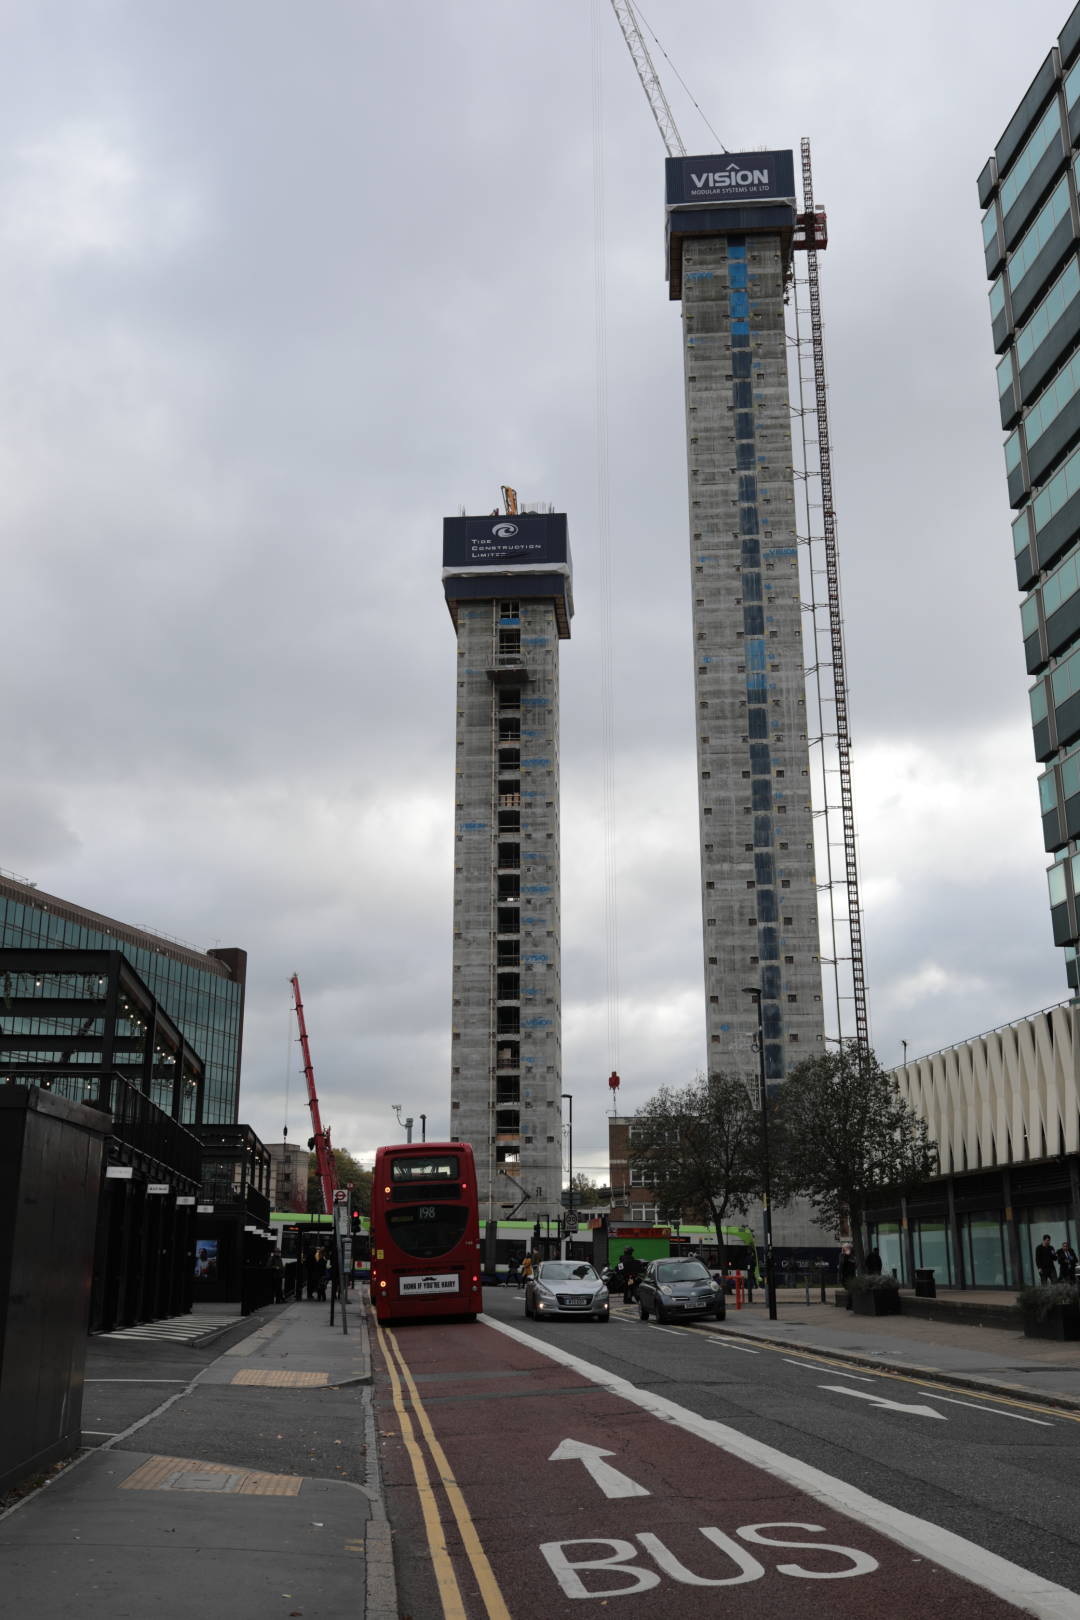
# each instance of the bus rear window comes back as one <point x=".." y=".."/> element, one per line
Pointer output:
<point x="443" y="1168"/>
<point x="427" y="1230"/>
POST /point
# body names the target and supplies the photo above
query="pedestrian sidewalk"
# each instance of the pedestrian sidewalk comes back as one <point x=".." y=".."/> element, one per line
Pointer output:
<point x="994" y="1359"/>
<point x="252" y="1490"/>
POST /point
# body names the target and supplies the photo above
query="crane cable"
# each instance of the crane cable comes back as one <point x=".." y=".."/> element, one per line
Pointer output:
<point x="603" y="531"/>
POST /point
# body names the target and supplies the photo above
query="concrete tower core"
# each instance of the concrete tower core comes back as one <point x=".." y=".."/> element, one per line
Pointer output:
<point x="508" y="588"/>
<point x="730" y="222"/>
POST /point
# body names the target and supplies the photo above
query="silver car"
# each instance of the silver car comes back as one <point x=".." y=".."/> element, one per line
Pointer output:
<point x="679" y="1288"/>
<point x="566" y="1288"/>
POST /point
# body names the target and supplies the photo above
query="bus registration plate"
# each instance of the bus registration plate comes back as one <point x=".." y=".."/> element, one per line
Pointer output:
<point x="431" y="1284"/>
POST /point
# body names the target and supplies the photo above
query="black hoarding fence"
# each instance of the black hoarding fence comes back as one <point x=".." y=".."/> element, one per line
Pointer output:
<point x="732" y="177"/>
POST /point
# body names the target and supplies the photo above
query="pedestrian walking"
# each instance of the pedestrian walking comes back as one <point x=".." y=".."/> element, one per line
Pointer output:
<point x="848" y="1268"/>
<point x="1046" y="1260"/>
<point x="526" y="1268"/>
<point x="1067" y="1260"/>
<point x="277" y="1277"/>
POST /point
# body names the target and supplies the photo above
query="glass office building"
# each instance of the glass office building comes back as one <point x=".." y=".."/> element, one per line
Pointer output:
<point x="202" y="992"/>
<point x="1030" y="190"/>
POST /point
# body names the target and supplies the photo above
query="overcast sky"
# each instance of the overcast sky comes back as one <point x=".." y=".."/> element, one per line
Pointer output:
<point x="284" y="285"/>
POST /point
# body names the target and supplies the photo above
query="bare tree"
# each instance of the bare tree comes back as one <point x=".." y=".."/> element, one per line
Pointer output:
<point x="699" y="1148"/>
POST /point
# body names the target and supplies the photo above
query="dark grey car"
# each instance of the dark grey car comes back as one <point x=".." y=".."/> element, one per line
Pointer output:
<point x="677" y="1288"/>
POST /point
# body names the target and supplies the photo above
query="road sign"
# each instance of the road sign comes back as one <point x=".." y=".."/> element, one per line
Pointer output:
<point x="341" y="1195"/>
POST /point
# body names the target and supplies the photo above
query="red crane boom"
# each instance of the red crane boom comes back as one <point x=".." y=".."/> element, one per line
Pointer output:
<point x="324" y="1158"/>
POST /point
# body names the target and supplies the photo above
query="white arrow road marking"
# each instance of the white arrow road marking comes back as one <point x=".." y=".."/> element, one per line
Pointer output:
<point x="610" y="1481"/>
<point x="879" y="1400"/>
<point x="978" y="1406"/>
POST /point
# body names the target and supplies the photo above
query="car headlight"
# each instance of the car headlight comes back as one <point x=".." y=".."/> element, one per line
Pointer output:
<point x="600" y="1297"/>
<point x="665" y="1288"/>
<point x="715" y="1286"/>
<point x="548" y="1293"/>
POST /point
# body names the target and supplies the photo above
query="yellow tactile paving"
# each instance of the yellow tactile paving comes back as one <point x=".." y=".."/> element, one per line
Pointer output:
<point x="189" y="1474"/>
<point x="280" y="1380"/>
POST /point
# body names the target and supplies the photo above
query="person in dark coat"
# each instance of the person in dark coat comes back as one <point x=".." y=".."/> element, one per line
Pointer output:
<point x="1067" y="1260"/>
<point x="873" y="1263"/>
<point x="1046" y="1260"/>
<point x="848" y="1268"/>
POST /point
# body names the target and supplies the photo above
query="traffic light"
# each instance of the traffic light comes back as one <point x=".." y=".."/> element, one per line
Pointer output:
<point x="354" y="1217"/>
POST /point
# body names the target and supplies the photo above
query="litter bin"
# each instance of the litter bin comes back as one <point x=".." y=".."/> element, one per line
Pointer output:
<point x="925" y="1287"/>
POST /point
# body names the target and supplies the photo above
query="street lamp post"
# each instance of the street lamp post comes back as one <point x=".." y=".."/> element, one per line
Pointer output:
<point x="567" y="1097"/>
<point x="770" y="1275"/>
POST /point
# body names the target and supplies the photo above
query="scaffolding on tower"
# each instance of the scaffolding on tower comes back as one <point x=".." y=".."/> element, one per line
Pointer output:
<point x="842" y="946"/>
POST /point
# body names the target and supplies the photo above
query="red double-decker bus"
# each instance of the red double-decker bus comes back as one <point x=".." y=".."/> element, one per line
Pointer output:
<point x="425" y="1231"/>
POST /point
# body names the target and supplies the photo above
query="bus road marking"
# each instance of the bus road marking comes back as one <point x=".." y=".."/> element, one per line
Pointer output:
<point x="988" y="1571"/>
<point x="487" y="1585"/>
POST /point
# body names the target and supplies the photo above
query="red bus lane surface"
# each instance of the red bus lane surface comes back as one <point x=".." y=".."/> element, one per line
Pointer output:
<point x="544" y="1488"/>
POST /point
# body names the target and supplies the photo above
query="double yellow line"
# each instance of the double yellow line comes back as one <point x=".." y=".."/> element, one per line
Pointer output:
<point x="449" y="1590"/>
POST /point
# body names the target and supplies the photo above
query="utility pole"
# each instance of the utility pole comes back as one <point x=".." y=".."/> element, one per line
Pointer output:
<point x="770" y="1275"/>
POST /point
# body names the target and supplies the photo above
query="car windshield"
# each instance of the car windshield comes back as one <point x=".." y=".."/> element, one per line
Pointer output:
<point x="566" y="1271"/>
<point x="681" y="1271"/>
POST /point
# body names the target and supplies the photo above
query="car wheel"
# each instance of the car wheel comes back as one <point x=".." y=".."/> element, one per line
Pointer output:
<point x="721" y="1315"/>
<point x="661" y="1316"/>
<point x="602" y="1316"/>
<point x="528" y="1311"/>
<point x="643" y="1310"/>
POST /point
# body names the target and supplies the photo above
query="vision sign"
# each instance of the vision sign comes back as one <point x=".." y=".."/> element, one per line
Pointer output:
<point x="733" y="177"/>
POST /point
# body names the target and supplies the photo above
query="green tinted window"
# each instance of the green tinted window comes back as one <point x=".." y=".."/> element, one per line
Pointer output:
<point x="1052" y="401"/>
<point x="1065" y="680"/>
<point x="1038" y="232"/>
<point x="1055" y="879"/>
<point x="1036" y="145"/>
<point x="1037" y="701"/>
<point x="989" y="225"/>
<point x="1048" y="792"/>
<point x="1020" y="533"/>
<point x="1046" y="314"/>
<point x="1062" y="583"/>
<point x="1004" y="374"/>
<point x="1070" y="773"/>
<point x="1029" y="616"/>
<point x="997" y="298"/>
<point x="1012" y="451"/>
<point x="1063" y="485"/>
<point x="1072" y="86"/>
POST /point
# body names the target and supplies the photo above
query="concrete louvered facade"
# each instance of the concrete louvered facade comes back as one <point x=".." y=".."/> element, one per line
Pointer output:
<point x="1003" y="1098"/>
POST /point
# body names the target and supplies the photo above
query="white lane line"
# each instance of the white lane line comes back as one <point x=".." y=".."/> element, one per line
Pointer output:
<point x="977" y="1406"/>
<point x="678" y="1332"/>
<point x="841" y="1370"/>
<point x="987" y="1570"/>
<point x="724" y="1344"/>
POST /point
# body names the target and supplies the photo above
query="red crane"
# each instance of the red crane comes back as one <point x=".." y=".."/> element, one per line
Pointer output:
<point x="320" y="1141"/>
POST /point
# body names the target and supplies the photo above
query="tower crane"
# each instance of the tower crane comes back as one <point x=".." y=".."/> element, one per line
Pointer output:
<point x="320" y="1140"/>
<point x="646" y="72"/>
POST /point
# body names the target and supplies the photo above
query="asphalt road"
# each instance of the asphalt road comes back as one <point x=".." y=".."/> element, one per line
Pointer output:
<point x="1000" y="1475"/>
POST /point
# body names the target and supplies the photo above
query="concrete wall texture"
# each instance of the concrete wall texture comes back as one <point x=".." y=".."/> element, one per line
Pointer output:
<point x="506" y="1062"/>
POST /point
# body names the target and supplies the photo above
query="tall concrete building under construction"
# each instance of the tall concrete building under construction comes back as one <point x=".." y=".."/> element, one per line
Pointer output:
<point x="508" y="588"/>
<point x="731" y="221"/>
